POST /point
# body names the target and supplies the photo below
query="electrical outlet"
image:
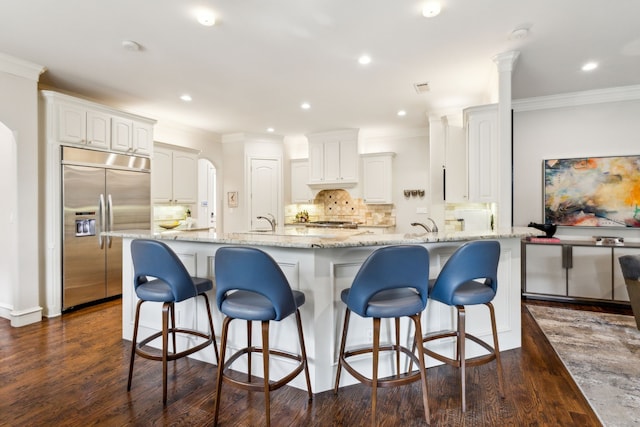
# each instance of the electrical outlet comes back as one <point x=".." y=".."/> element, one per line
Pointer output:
<point x="370" y="335"/>
<point x="422" y="210"/>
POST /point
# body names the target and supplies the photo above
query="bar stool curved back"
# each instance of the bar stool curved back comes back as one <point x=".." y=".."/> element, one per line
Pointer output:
<point x="251" y="286"/>
<point x="469" y="277"/>
<point x="170" y="283"/>
<point x="391" y="283"/>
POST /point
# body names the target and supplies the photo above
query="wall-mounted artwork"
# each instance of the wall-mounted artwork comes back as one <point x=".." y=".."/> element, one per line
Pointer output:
<point x="593" y="191"/>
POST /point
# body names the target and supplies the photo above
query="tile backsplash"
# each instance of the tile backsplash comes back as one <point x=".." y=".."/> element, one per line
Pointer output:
<point x="337" y="205"/>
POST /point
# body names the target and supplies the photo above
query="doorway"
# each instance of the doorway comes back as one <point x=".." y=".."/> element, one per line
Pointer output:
<point x="264" y="197"/>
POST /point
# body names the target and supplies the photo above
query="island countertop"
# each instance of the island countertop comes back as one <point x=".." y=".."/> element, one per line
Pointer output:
<point x="301" y="237"/>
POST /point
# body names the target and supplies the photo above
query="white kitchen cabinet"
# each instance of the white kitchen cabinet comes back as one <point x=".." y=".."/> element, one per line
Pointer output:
<point x="482" y="144"/>
<point x="456" y="169"/>
<point x="300" y="191"/>
<point x="377" y="177"/>
<point x="574" y="270"/>
<point x="174" y="175"/>
<point x="131" y="137"/>
<point x="333" y="159"/>
<point x="78" y="125"/>
<point x="92" y="125"/>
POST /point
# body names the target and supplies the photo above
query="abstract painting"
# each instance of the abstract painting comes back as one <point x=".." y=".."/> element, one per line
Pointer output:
<point x="593" y="191"/>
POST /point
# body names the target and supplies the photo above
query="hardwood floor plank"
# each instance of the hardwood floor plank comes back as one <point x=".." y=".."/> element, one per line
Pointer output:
<point x="72" y="371"/>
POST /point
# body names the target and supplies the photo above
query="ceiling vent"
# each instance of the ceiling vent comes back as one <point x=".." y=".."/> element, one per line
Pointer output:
<point x="421" y="87"/>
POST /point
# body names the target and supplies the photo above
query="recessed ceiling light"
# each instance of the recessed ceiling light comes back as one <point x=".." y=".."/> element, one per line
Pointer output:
<point x="305" y="105"/>
<point x="364" y="60"/>
<point x="186" y="97"/>
<point x="431" y="9"/>
<point x="270" y="130"/>
<point x="206" y="18"/>
<point x="131" y="45"/>
<point x="402" y="113"/>
<point x="590" y="66"/>
<point x="519" y="34"/>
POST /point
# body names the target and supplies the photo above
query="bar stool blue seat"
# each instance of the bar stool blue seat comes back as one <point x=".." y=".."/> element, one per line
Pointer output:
<point x="391" y="283"/>
<point x="170" y="283"/>
<point x="469" y="277"/>
<point x="251" y="286"/>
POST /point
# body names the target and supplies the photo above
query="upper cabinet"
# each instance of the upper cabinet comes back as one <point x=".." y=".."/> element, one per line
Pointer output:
<point x="456" y="169"/>
<point x="333" y="159"/>
<point x="131" y="137"/>
<point x="300" y="191"/>
<point x="81" y="122"/>
<point x="482" y="143"/>
<point x="78" y="125"/>
<point x="174" y="175"/>
<point x="377" y="174"/>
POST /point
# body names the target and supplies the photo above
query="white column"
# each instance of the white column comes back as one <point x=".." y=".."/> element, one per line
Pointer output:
<point x="505" y="63"/>
<point x="19" y="112"/>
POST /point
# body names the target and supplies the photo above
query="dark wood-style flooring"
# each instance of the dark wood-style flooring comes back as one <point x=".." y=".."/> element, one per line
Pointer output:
<point x="72" y="371"/>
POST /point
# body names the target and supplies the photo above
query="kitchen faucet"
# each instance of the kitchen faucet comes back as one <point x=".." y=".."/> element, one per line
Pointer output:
<point x="272" y="221"/>
<point x="435" y="227"/>
<point x="419" y="224"/>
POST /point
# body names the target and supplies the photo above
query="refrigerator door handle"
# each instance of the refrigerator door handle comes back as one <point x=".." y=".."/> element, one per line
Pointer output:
<point x="101" y="213"/>
<point x="110" y="217"/>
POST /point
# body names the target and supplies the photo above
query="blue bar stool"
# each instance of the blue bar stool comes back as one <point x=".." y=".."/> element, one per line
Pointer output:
<point x="171" y="283"/>
<point x="469" y="277"/>
<point x="391" y="283"/>
<point x="252" y="287"/>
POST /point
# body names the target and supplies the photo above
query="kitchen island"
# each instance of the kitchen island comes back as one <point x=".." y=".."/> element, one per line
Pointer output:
<point x="322" y="263"/>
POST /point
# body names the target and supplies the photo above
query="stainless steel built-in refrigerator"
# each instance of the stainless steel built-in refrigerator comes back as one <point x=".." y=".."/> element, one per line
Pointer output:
<point x="101" y="191"/>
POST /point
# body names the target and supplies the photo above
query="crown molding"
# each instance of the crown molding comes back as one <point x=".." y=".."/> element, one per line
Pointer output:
<point x="574" y="99"/>
<point x="20" y="68"/>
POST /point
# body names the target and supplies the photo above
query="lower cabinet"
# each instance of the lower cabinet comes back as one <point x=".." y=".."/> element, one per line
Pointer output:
<point x="574" y="271"/>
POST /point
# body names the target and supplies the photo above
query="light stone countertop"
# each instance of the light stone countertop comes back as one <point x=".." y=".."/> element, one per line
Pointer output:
<point x="302" y="237"/>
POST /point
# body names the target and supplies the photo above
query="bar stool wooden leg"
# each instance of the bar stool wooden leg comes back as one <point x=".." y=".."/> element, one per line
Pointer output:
<point x="133" y="344"/>
<point x="461" y="354"/>
<point x="223" y="349"/>
<point x="496" y="349"/>
<point x="421" y="365"/>
<point x="397" y="346"/>
<point x="343" y="343"/>
<point x="249" y="333"/>
<point x="374" y="375"/>
<point x="166" y="307"/>
<point x="213" y="333"/>
<point x="303" y="351"/>
<point x="265" y="366"/>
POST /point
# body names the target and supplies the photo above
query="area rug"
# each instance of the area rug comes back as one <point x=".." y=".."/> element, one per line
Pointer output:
<point x="602" y="353"/>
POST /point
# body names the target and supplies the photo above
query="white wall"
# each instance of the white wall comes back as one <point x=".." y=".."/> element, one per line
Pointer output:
<point x="596" y="129"/>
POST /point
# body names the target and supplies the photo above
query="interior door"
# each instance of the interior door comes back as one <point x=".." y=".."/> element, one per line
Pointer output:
<point x="265" y="192"/>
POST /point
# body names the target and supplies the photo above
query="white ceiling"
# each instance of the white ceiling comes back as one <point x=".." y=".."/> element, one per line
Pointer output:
<point x="262" y="59"/>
